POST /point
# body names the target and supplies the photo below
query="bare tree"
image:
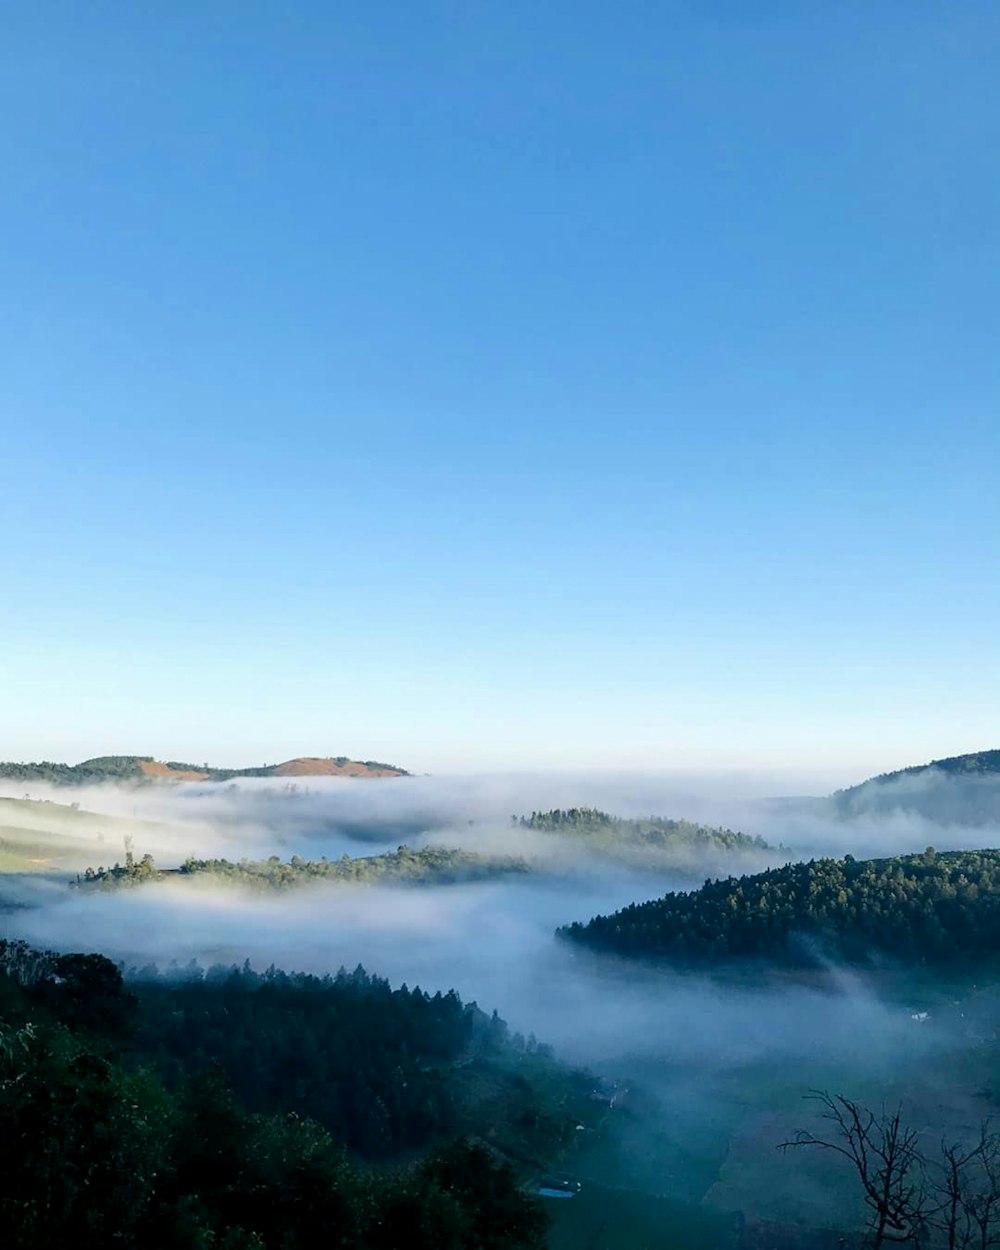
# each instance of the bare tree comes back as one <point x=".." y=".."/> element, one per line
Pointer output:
<point x="980" y="1192"/>
<point x="951" y="1216"/>
<point x="886" y="1158"/>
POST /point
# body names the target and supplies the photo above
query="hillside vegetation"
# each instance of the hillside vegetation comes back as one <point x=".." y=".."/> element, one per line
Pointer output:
<point x="143" y="768"/>
<point x="599" y="830"/>
<point x="959" y="790"/>
<point x="912" y="908"/>
<point x="248" y="1111"/>
<point x="432" y="865"/>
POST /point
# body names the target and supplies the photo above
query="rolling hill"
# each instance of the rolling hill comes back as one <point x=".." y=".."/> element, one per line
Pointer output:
<point x="594" y="828"/>
<point x="911" y="908"/>
<point x="138" y="769"/>
<point x="957" y="790"/>
<point x="37" y="835"/>
<point x="431" y="865"/>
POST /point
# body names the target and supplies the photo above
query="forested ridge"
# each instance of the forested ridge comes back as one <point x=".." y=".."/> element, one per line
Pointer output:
<point x="102" y="768"/>
<point x="231" y="1109"/>
<point x="959" y="790"/>
<point x="596" y="828"/>
<point x="975" y="764"/>
<point x="929" y="906"/>
<point x="430" y="865"/>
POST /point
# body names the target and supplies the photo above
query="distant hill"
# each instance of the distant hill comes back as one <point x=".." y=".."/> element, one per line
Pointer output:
<point x="958" y="790"/>
<point x="911" y="908"/>
<point x="432" y="865"/>
<point x="603" y="833"/>
<point x="143" y="768"/>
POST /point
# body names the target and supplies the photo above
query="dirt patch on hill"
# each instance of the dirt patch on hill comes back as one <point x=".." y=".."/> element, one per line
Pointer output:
<point x="154" y="768"/>
<point x="313" y="766"/>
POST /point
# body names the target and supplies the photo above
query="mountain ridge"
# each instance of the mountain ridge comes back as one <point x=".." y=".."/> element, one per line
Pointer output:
<point x="973" y="763"/>
<point x="954" y="790"/>
<point x="144" y="768"/>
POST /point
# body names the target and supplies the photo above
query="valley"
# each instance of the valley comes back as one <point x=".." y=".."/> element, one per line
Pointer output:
<point x="711" y="1050"/>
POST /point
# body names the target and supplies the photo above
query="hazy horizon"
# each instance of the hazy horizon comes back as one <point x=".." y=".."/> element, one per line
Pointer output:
<point x="775" y="778"/>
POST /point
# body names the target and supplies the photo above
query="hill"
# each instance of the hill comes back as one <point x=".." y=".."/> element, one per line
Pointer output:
<point x="340" y="766"/>
<point x="649" y="837"/>
<point x="914" y="908"/>
<point x="957" y="790"/>
<point x="137" y="769"/>
<point x="266" y="1111"/>
<point x="38" y="835"/>
<point x="432" y="865"/>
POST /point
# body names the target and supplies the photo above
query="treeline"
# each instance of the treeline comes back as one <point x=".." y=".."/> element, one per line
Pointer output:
<point x="912" y="907"/>
<point x="976" y="764"/>
<point x="962" y="790"/>
<point x="431" y="865"/>
<point x="224" y="1109"/>
<point x="102" y="768"/>
<point x="602" y="829"/>
<point x="371" y="1064"/>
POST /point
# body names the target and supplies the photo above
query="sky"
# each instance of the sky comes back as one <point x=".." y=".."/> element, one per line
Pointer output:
<point x="500" y="385"/>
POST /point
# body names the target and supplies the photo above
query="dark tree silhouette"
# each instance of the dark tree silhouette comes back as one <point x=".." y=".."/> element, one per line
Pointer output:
<point x="886" y="1159"/>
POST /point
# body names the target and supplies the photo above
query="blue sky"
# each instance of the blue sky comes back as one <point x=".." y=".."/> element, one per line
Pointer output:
<point x="483" y="385"/>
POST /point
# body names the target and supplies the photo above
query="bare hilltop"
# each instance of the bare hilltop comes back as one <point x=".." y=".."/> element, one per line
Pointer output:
<point x="144" y="768"/>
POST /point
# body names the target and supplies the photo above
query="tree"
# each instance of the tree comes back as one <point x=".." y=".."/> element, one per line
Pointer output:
<point x="951" y="1202"/>
<point x="885" y="1156"/>
<point x="968" y="1213"/>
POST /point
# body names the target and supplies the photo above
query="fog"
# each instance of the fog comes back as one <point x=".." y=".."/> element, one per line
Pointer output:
<point x="494" y="942"/>
<point x="333" y="816"/>
<point x="696" y="1044"/>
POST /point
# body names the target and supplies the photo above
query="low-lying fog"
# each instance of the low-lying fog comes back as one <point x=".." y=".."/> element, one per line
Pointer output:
<point x="491" y="941"/>
<point x="721" y="1067"/>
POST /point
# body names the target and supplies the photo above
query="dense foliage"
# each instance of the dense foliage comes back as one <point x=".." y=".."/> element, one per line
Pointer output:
<point x="600" y="829"/>
<point x="913" y="907"/>
<point x="175" y="1116"/>
<point x="366" y="1061"/>
<point x="432" y="865"/>
<point x="102" y="768"/>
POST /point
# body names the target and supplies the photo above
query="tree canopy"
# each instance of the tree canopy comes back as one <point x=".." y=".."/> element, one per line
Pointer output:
<point x="601" y="830"/>
<point x="230" y="1109"/>
<point x="912" y="907"/>
<point x="436" y="865"/>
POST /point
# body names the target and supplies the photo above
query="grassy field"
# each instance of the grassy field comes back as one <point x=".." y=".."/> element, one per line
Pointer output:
<point x="40" y="836"/>
<point x="24" y="850"/>
<point x="604" y="1218"/>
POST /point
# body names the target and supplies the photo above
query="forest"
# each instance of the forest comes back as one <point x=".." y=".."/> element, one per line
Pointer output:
<point x="226" y="1108"/>
<point x="926" y="907"/>
<point x="435" y="865"/>
<point x="102" y="768"/>
<point x="596" y="831"/>
<point x="599" y="830"/>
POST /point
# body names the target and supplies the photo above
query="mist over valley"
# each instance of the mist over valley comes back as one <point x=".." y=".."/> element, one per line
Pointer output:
<point x="461" y="884"/>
